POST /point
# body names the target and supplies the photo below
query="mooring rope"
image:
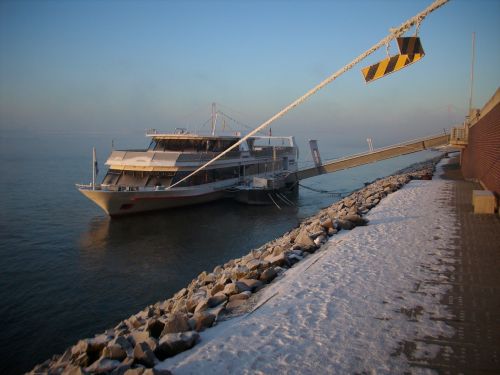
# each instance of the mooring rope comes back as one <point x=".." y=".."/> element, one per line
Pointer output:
<point x="330" y="192"/>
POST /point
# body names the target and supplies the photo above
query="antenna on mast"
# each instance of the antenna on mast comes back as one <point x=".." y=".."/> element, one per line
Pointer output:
<point x="472" y="73"/>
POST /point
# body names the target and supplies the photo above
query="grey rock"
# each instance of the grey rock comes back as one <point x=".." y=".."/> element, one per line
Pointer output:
<point x="217" y="270"/>
<point x="277" y="250"/>
<point x="155" y="371"/>
<point x="231" y="289"/>
<point x="326" y="223"/>
<point x="80" y="347"/>
<point x="238" y="272"/>
<point x="252" y="274"/>
<point x="332" y="213"/>
<point x="152" y="342"/>
<point x="144" y="355"/>
<point x="143" y="315"/>
<point x="356" y="220"/>
<point x="203" y="320"/>
<point x="253" y="264"/>
<point x="195" y="299"/>
<point x="135" y="371"/>
<point x="82" y="360"/>
<point x="155" y="327"/>
<point x="235" y="305"/>
<point x="121" y="369"/>
<point x="268" y="275"/>
<point x="316" y="234"/>
<point x="202" y="306"/>
<point x="332" y="231"/>
<point x="218" y="287"/>
<point x="296" y="252"/>
<point x="320" y="240"/>
<point x="248" y="284"/>
<point x="69" y="370"/>
<point x="216" y="300"/>
<point x="345" y="224"/>
<point x="207" y="279"/>
<point x="244" y="295"/>
<point x="304" y="240"/>
<point x="180" y="294"/>
<point x="362" y="210"/>
<point x="137" y="336"/>
<point x="214" y="311"/>
<point x="348" y="202"/>
<point x="175" y="343"/>
<point x="114" y="351"/>
<point x="103" y="365"/>
<point x="176" y="323"/>
<point x="121" y="341"/>
<point x="294" y="258"/>
<point x="121" y="326"/>
<point x="225" y="278"/>
<point x="65" y="358"/>
<point x="278" y="260"/>
<point x="133" y="322"/>
<point x="87" y="351"/>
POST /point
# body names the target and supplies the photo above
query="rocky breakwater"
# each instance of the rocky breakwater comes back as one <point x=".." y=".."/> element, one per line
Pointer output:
<point x="169" y="327"/>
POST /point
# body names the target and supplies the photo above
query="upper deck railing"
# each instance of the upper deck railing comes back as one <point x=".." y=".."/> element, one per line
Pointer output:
<point x="379" y="154"/>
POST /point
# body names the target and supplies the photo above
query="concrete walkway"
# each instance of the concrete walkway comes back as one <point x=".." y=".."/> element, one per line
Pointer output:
<point x="474" y="298"/>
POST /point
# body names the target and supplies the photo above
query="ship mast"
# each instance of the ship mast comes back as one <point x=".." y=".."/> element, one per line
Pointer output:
<point x="214" y="118"/>
<point x="94" y="168"/>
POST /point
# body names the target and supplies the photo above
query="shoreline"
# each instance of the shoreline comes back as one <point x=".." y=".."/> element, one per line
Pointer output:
<point x="173" y="325"/>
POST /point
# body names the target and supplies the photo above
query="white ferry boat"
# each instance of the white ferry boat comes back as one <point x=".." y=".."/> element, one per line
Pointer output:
<point x="141" y="180"/>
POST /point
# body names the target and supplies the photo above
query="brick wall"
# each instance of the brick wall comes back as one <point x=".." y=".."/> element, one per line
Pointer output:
<point x="481" y="157"/>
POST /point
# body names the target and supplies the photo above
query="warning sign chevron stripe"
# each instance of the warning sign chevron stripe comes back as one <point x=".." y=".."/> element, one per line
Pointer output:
<point x="410" y="45"/>
<point x="410" y="50"/>
<point x="389" y="65"/>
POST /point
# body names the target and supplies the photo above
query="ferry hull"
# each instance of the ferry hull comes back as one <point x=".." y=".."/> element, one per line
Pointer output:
<point x="124" y="202"/>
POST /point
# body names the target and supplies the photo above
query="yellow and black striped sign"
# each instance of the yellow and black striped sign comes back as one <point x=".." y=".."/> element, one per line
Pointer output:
<point x="410" y="50"/>
<point x="410" y="45"/>
<point x="389" y="65"/>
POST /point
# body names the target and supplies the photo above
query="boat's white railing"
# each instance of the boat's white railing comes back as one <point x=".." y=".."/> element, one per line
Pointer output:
<point x="285" y="137"/>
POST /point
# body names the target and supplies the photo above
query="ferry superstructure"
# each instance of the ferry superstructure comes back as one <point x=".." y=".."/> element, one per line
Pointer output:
<point x="141" y="180"/>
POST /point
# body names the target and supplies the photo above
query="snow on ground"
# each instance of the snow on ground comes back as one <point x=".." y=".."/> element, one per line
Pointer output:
<point x="349" y="307"/>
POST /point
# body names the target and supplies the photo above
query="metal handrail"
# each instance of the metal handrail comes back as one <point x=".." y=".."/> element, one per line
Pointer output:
<point x="402" y="144"/>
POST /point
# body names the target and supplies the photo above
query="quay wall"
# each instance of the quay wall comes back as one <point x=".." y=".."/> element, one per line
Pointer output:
<point x="480" y="160"/>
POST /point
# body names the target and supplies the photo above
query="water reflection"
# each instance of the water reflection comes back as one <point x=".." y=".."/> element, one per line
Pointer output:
<point x="96" y="237"/>
<point x="188" y="239"/>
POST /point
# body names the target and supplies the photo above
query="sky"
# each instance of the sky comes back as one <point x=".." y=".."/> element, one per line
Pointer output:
<point x="116" y="67"/>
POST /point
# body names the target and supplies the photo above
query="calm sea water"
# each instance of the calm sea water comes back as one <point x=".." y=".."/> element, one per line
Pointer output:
<point x="67" y="271"/>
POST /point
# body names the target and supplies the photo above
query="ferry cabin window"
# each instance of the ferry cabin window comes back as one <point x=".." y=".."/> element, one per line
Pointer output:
<point x="192" y="145"/>
<point x="205" y="177"/>
<point x="160" y="179"/>
<point x="111" y="177"/>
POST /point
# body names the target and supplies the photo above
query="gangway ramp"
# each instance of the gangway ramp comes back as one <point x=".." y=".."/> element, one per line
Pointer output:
<point x="384" y="153"/>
